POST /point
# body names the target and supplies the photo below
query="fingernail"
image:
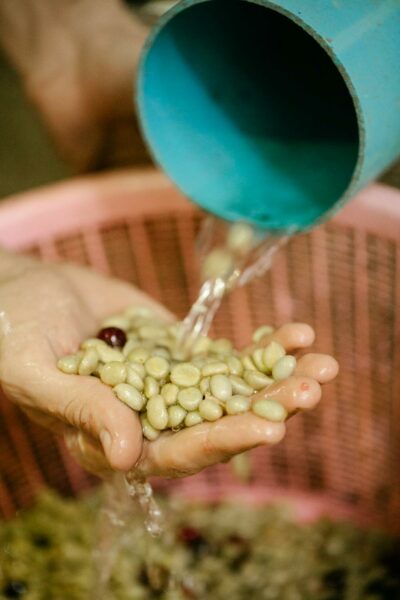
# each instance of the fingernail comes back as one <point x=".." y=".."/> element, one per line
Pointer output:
<point x="106" y="441"/>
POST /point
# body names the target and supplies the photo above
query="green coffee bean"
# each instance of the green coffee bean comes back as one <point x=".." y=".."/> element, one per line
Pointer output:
<point x="133" y="378"/>
<point x="167" y="345"/>
<point x="169" y="392"/>
<point x="89" y="362"/>
<point x="130" y="345"/>
<point x="178" y="356"/>
<point x="272" y="353"/>
<point x="139" y="355"/>
<point x="234" y="365"/>
<point x="214" y="368"/>
<point x="241" y="238"/>
<point x="107" y="354"/>
<point x="190" y="398"/>
<point x="185" y="375"/>
<point x="157" y="414"/>
<point x="221" y="346"/>
<point x="247" y="363"/>
<point x="149" y="431"/>
<point x="202" y="346"/>
<point x="138" y="368"/>
<point x="239" y="386"/>
<point x="69" y="364"/>
<point x="270" y="410"/>
<point x="161" y="352"/>
<point x="199" y="361"/>
<point x="151" y="386"/>
<point x="237" y="405"/>
<point x="149" y="332"/>
<point x="173" y="330"/>
<point x="221" y="387"/>
<point x="193" y="418"/>
<point x="113" y="373"/>
<point x="258" y="359"/>
<point x="93" y="343"/>
<point x="205" y="385"/>
<point x="210" y="410"/>
<point x="257" y="380"/>
<point x="157" y="367"/>
<point x="176" y="416"/>
<point x="262" y="332"/>
<point x="130" y="396"/>
<point x="284" y="368"/>
<point x="218" y="263"/>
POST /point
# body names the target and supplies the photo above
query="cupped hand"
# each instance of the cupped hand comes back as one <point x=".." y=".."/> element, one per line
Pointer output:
<point x="178" y="454"/>
<point x="45" y="313"/>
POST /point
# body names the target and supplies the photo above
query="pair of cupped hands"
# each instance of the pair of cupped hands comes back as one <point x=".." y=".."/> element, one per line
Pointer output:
<point x="46" y="311"/>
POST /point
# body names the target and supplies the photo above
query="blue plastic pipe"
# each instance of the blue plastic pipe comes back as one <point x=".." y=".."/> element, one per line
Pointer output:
<point x="273" y="112"/>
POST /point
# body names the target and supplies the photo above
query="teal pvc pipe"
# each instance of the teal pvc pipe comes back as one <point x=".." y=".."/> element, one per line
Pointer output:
<point x="273" y="112"/>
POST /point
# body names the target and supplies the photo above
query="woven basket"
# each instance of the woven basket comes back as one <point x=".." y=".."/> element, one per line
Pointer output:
<point x="343" y="279"/>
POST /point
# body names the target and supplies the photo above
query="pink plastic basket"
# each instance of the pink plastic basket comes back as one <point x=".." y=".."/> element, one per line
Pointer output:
<point x="343" y="279"/>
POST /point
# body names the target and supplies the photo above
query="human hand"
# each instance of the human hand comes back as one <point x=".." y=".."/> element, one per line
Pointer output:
<point x="176" y="454"/>
<point x="45" y="312"/>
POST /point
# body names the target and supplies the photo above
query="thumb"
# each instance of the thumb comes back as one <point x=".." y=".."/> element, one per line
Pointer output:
<point x="90" y="406"/>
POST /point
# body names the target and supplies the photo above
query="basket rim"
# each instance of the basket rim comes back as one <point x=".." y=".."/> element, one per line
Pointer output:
<point x="85" y="204"/>
<point x="89" y="202"/>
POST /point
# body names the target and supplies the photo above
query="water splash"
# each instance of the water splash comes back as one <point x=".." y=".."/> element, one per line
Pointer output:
<point x="244" y="268"/>
<point x="112" y="526"/>
<point x="142" y="490"/>
<point x="117" y="526"/>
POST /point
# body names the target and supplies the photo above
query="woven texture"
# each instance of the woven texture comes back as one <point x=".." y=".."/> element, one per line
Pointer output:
<point x="342" y="280"/>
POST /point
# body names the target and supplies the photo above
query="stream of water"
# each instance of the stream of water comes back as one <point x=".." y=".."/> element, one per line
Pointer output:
<point x="241" y="268"/>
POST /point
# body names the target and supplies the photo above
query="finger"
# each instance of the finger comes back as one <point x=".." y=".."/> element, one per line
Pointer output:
<point x="294" y="393"/>
<point x="87" y="404"/>
<point x="193" y="449"/>
<point x="91" y="406"/>
<point x="34" y="382"/>
<point x="321" y="367"/>
<point x="292" y="336"/>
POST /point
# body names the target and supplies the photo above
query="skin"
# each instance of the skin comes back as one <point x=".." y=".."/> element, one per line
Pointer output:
<point x="47" y="310"/>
